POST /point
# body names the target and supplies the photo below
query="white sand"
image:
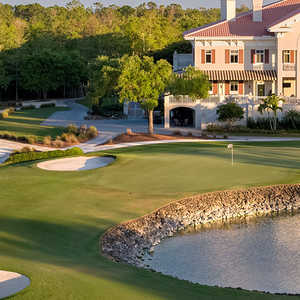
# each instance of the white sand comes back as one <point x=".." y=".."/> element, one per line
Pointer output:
<point x="76" y="163"/>
<point x="12" y="283"/>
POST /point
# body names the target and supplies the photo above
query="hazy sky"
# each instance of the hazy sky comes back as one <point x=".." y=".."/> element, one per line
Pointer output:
<point x="184" y="3"/>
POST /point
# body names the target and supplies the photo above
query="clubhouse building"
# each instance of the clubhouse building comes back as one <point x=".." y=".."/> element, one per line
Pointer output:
<point x="245" y="56"/>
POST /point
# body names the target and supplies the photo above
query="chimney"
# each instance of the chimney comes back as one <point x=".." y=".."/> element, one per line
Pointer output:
<point x="228" y="9"/>
<point x="257" y="10"/>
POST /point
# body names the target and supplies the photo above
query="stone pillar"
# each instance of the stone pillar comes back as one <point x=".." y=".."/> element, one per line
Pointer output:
<point x="167" y="111"/>
<point x="273" y="87"/>
<point x="197" y="111"/>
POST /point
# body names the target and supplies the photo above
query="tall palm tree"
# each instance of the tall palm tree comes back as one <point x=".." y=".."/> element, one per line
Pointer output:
<point x="271" y="104"/>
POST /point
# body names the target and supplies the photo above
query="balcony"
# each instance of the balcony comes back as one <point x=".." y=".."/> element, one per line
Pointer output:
<point x="289" y="67"/>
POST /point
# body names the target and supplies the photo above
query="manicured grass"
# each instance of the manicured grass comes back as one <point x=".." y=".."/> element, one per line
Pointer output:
<point x="50" y="222"/>
<point x="27" y="122"/>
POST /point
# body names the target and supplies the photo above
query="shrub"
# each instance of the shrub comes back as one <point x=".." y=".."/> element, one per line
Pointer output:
<point x="31" y="139"/>
<point x="23" y="150"/>
<point x="230" y="113"/>
<point x="290" y="120"/>
<point x="21" y="139"/>
<point x="72" y="128"/>
<point x="82" y="130"/>
<point x="177" y="132"/>
<point x="215" y="128"/>
<point x="5" y="114"/>
<point x="69" y="138"/>
<point x="34" y="155"/>
<point x="128" y="131"/>
<point x="259" y="123"/>
<point x="58" y="143"/>
<point x="92" y="132"/>
<point x="47" y="105"/>
<point x="47" y="140"/>
<point x="28" y="107"/>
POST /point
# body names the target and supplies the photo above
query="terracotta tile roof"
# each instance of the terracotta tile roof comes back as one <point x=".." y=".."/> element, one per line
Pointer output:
<point x="243" y="25"/>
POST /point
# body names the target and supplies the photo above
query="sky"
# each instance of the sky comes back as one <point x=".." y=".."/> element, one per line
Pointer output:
<point x="89" y="3"/>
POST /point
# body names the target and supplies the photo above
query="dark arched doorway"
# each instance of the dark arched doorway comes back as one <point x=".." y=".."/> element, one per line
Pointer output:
<point x="182" y="117"/>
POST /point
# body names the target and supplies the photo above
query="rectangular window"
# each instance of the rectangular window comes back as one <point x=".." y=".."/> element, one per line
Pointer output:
<point x="259" y="56"/>
<point x="208" y="56"/>
<point x="234" y="86"/>
<point x="286" y="56"/>
<point x="234" y="56"/>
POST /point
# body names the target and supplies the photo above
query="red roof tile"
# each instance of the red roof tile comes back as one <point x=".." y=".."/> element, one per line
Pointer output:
<point x="243" y="25"/>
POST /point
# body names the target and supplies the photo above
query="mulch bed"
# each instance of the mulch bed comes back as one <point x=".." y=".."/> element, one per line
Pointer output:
<point x="146" y="137"/>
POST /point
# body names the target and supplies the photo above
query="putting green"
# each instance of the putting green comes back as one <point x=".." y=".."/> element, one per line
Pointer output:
<point x="51" y="222"/>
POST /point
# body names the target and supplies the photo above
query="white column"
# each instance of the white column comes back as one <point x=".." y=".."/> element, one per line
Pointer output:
<point x="167" y="112"/>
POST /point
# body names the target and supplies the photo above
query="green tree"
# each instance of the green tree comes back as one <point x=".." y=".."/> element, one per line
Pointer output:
<point x="104" y="74"/>
<point x="230" y="113"/>
<point x="42" y="71"/>
<point x="271" y="104"/>
<point x="143" y="81"/>
<point x="192" y="83"/>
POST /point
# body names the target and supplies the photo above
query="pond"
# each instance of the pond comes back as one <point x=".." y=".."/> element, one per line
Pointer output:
<point x="255" y="254"/>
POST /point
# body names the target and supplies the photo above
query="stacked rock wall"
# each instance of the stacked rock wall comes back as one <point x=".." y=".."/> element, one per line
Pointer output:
<point x="129" y="241"/>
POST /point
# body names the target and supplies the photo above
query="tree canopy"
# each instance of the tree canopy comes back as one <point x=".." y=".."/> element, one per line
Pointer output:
<point x="143" y="80"/>
<point x="191" y="82"/>
<point x="28" y="32"/>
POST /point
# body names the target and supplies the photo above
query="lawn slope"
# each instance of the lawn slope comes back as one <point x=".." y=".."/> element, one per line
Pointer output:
<point x="51" y="222"/>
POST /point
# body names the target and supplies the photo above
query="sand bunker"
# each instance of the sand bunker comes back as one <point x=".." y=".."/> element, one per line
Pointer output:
<point x="12" y="283"/>
<point x="76" y="163"/>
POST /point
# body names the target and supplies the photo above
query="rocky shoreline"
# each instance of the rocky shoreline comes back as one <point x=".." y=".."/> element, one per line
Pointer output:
<point x="128" y="242"/>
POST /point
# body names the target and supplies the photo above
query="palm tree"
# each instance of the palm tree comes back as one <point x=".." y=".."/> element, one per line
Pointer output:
<point x="271" y="104"/>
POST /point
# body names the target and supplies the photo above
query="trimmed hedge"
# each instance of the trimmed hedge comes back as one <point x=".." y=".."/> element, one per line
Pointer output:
<point x="34" y="155"/>
<point x="47" y="105"/>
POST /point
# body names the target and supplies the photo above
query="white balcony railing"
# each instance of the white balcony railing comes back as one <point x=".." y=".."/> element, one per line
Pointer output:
<point x="289" y="67"/>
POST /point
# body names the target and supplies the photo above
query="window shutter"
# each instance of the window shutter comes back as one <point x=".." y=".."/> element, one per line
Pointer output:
<point x="193" y="53"/>
<point x="241" y="56"/>
<point x="292" y="56"/>
<point x="213" y="56"/>
<point x="253" y="56"/>
<point x="227" y="88"/>
<point x="227" y="56"/>
<point x="241" y="88"/>
<point x="215" y="88"/>
<point x="267" y="59"/>
<point x="203" y="56"/>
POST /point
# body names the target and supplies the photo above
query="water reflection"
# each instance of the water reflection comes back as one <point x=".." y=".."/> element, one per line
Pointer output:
<point x="255" y="254"/>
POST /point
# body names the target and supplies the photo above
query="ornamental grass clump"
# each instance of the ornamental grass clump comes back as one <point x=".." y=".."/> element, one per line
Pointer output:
<point x="47" y="140"/>
<point x="72" y="128"/>
<point x="5" y="114"/>
<point x="92" y="132"/>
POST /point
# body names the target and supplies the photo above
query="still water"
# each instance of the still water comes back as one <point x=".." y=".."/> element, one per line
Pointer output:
<point x="261" y="254"/>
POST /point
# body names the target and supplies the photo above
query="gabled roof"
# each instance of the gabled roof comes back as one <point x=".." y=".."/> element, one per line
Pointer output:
<point x="243" y="24"/>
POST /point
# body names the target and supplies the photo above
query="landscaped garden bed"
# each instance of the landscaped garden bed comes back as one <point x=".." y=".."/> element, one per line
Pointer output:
<point x="24" y="126"/>
<point x="133" y="137"/>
